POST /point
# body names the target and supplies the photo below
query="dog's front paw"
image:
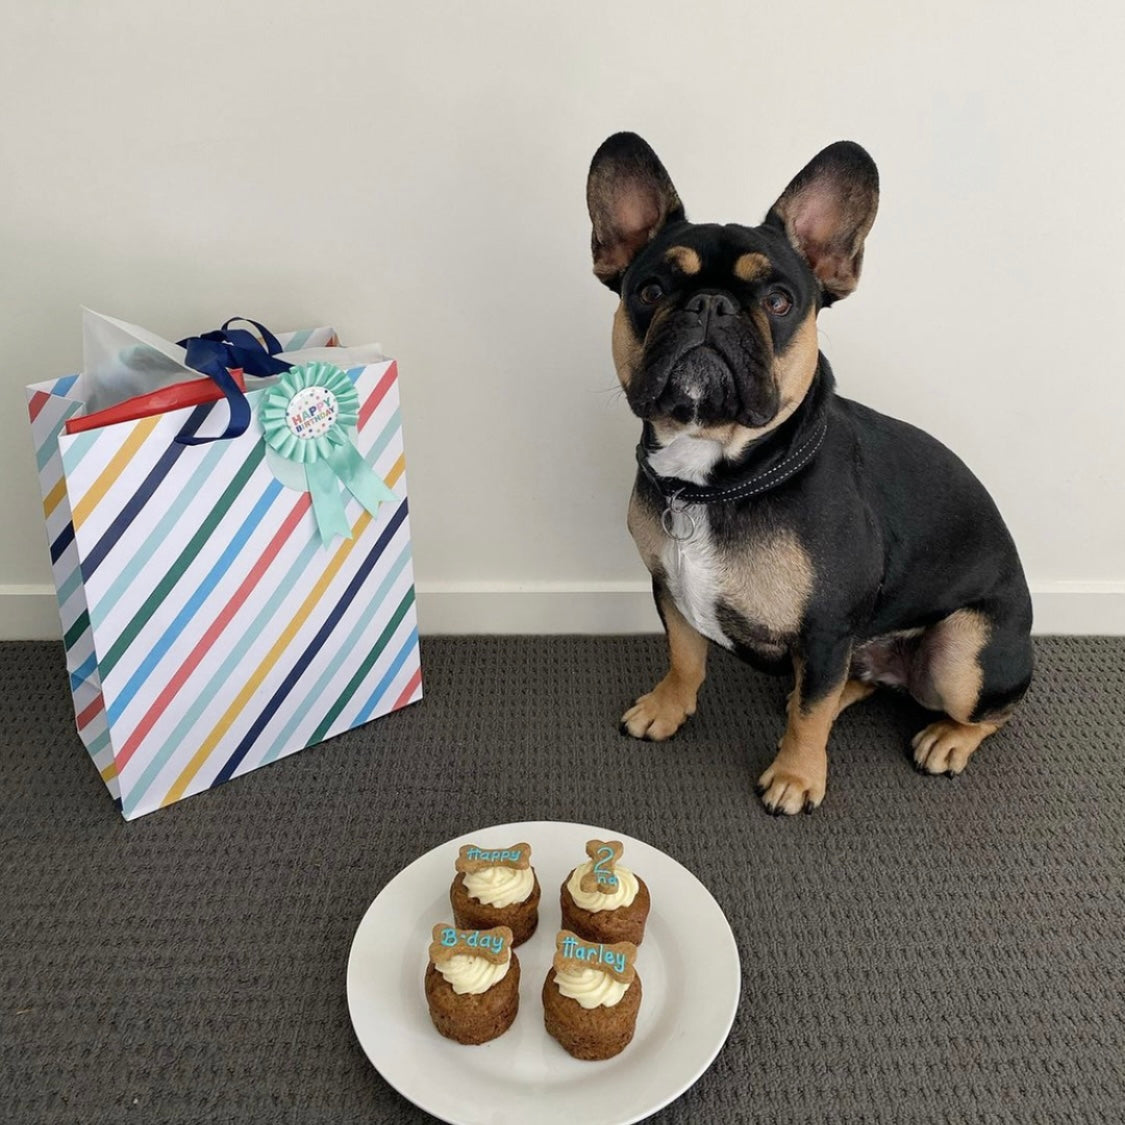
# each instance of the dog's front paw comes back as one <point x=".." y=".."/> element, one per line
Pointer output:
<point x="658" y="715"/>
<point x="786" y="790"/>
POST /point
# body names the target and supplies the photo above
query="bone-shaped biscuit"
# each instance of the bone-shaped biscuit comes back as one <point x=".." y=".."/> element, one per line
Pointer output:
<point x="471" y="858"/>
<point x="493" y="945"/>
<point x="573" y="952"/>
<point x="605" y="855"/>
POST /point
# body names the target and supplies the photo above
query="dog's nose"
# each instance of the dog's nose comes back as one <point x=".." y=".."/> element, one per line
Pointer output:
<point x="711" y="308"/>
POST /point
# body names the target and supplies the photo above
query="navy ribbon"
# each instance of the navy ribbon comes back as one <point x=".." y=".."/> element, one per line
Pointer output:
<point x="214" y="353"/>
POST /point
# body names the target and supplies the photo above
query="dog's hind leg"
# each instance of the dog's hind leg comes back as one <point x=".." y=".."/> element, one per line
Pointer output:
<point x="659" y="714"/>
<point x="974" y="665"/>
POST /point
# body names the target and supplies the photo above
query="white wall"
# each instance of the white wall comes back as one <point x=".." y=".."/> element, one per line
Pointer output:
<point x="414" y="173"/>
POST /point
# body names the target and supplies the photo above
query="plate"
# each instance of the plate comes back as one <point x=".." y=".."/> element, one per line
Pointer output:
<point x="688" y="964"/>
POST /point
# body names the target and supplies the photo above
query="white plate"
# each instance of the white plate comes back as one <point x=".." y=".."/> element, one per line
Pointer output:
<point x="688" y="964"/>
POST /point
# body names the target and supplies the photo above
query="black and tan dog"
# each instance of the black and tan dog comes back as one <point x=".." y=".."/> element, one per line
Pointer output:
<point x="804" y="532"/>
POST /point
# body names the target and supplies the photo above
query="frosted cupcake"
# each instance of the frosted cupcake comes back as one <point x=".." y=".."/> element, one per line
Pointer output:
<point x="472" y="983"/>
<point x="591" y="996"/>
<point x="496" y="887"/>
<point x="602" y="900"/>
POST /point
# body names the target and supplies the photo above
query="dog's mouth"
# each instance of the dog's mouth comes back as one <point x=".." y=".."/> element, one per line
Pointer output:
<point x="703" y="384"/>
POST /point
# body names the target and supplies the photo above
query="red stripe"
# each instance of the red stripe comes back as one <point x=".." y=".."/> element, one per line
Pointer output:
<point x="218" y="625"/>
<point x="91" y="712"/>
<point x="411" y="688"/>
<point x="377" y="394"/>
<point x="38" y="401"/>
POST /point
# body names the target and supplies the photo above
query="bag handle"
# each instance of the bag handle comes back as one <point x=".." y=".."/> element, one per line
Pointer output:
<point x="215" y="353"/>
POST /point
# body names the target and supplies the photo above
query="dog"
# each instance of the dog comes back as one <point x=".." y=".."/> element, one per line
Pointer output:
<point x="802" y="531"/>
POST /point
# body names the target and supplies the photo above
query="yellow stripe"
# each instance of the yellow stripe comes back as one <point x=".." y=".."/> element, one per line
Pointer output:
<point x="255" y="681"/>
<point x="109" y="772"/>
<point x="53" y="498"/>
<point x="114" y="469"/>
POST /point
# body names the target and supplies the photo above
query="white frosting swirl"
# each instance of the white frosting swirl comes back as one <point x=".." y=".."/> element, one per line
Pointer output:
<point x="472" y="974"/>
<point x="622" y="895"/>
<point x="590" y="987"/>
<point x="500" y="886"/>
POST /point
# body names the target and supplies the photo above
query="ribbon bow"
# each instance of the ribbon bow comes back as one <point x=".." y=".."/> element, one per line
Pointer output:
<point x="308" y="418"/>
<point x="214" y="353"/>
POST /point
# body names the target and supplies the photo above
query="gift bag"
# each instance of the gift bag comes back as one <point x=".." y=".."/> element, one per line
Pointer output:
<point x="233" y="567"/>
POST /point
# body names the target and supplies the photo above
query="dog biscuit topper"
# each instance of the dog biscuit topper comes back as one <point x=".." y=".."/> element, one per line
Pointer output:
<point x="617" y="960"/>
<point x="471" y="858"/>
<point x="601" y="877"/>
<point x="493" y="945"/>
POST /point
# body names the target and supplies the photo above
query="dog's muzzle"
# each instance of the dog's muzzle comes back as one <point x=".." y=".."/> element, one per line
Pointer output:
<point x="703" y="368"/>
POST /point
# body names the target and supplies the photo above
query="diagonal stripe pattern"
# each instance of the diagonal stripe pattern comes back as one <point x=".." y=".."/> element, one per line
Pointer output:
<point x="208" y="631"/>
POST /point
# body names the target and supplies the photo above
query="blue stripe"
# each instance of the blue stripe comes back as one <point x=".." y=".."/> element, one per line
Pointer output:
<point x="79" y="446"/>
<point x="63" y="385"/>
<point x="49" y="446"/>
<point x="83" y="672"/>
<point x="135" y="504"/>
<point x="369" y="707"/>
<point x="64" y="540"/>
<point x="205" y="588"/>
<point x="346" y="648"/>
<point x="313" y="648"/>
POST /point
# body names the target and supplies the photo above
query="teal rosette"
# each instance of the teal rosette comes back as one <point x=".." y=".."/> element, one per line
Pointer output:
<point x="308" y="418"/>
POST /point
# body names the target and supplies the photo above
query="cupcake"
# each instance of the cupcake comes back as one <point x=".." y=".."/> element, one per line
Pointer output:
<point x="472" y="983"/>
<point x="591" y="996"/>
<point x="602" y="900"/>
<point x="496" y="887"/>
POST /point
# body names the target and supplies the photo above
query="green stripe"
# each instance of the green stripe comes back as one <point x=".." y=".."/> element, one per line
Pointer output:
<point x="364" y="668"/>
<point x="187" y="557"/>
<point x="81" y="624"/>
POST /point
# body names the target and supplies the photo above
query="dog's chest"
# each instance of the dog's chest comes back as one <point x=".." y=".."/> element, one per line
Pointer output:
<point x="748" y="591"/>
<point x="695" y="578"/>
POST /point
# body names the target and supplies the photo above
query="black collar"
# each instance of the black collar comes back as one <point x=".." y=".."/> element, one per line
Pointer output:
<point x="767" y="463"/>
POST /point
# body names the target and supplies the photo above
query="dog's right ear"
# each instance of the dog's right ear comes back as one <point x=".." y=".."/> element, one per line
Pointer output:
<point x="630" y="197"/>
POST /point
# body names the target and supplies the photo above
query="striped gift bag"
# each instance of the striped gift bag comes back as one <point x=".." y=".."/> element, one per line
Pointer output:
<point x="210" y="625"/>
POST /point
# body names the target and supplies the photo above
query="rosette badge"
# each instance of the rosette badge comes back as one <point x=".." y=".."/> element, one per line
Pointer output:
<point x="309" y="419"/>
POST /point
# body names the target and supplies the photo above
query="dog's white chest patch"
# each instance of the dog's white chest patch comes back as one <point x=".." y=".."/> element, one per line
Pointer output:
<point x="691" y="566"/>
<point x="687" y="458"/>
<point x="691" y="569"/>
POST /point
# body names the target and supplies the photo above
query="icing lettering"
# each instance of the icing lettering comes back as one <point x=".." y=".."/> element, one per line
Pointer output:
<point x="448" y="941"/>
<point x="604" y="854"/>
<point x="471" y="858"/>
<point x="618" y="960"/>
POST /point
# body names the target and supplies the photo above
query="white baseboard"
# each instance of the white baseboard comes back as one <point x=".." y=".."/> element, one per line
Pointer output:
<point x="28" y="612"/>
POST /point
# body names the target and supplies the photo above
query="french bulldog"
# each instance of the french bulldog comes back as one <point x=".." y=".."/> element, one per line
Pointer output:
<point x="802" y="531"/>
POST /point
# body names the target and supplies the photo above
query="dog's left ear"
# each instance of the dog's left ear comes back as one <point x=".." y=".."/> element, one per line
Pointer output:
<point x="630" y="197"/>
<point x="827" y="210"/>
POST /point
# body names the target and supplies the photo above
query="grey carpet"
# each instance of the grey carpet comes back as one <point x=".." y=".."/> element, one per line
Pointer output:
<point x="918" y="950"/>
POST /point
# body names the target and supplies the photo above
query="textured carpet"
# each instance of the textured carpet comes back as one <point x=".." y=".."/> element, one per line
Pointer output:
<point x="919" y="949"/>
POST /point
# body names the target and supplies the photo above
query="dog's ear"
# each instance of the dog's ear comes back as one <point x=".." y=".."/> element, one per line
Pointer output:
<point x="826" y="212"/>
<point x="630" y="197"/>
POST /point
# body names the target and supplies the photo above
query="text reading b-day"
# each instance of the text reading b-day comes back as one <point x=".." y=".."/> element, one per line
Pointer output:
<point x="448" y="941"/>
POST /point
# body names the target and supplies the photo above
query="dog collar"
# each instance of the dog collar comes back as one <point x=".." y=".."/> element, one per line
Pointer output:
<point x="680" y="494"/>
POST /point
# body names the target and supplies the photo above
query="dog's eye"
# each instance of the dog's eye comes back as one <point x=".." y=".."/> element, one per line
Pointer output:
<point x="650" y="293"/>
<point x="778" y="302"/>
